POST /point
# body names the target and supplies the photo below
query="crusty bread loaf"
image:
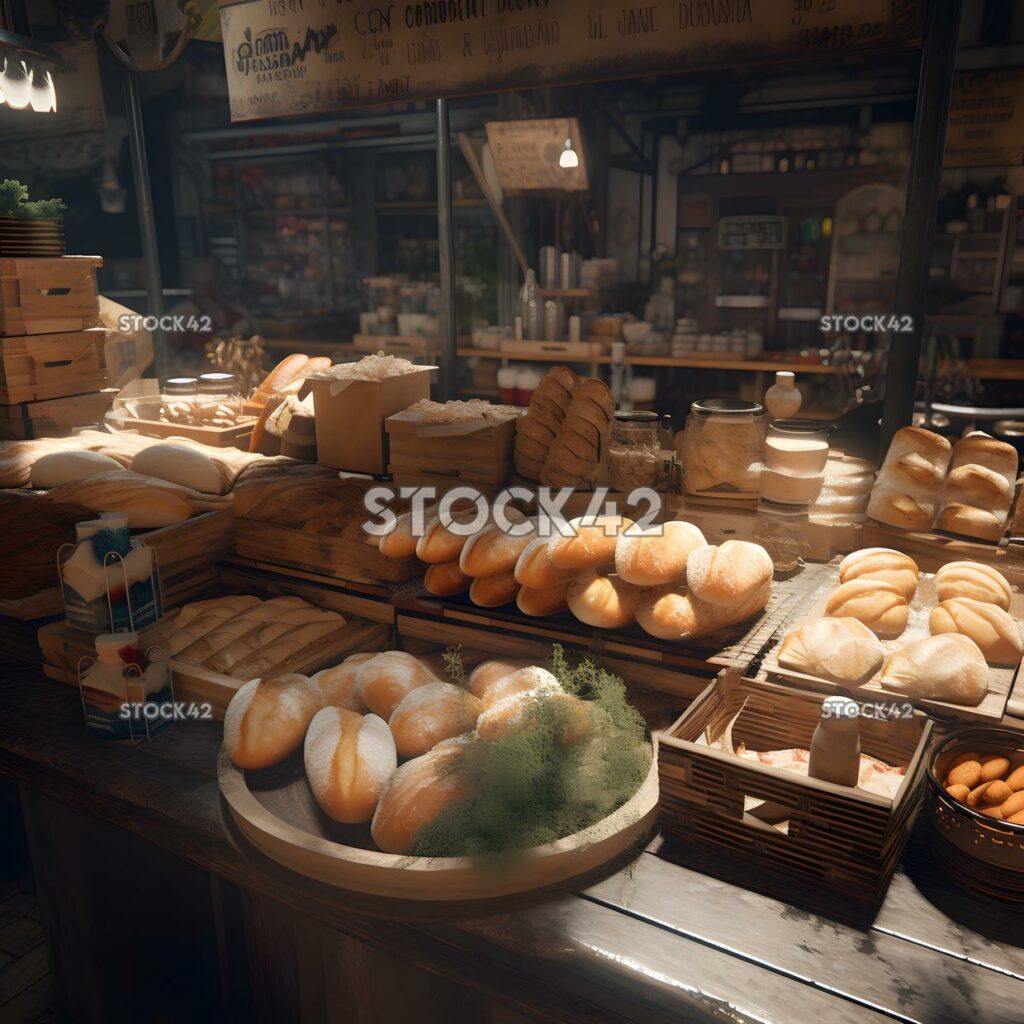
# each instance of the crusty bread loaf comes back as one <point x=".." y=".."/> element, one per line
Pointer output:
<point x="487" y="673"/>
<point x="417" y="793"/>
<point x="349" y="759"/>
<point x="267" y="720"/>
<point x="884" y="564"/>
<point x="548" y="601"/>
<point x="590" y="545"/>
<point x="63" y="467"/>
<point x="432" y="713"/>
<point x="842" y="650"/>
<point x="383" y="680"/>
<point x="446" y="579"/>
<point x="979" y="449"/>
<point x="897" y="508"/>
<point x="288" y="369"/>
<point x="534" y="568"/>
<point x="673" y="613"/>
<point x="926" y="443"/>
<point x="658" y="554"/>
<point x="971" y="522"/>
<point x="529" y="677"/>
<point x="914" y="470"/>
<point x="978" y="486"/>
<point x="879" y="605"/>
<point x="493" y="591"/>
<point x="337" y="685"/>
<point x="493" y="550"/>
<point x="180" y="464"/>
<point x="280" y="652"/>
<point x="975" y="580"/>
<point x="995" y="631"/>
<point x="948" y="667"/>
<point x="909" y="485"/>
<point x="438" y="543"/>
<point x="400" y="542"/>
<point x="729" y="572"/>
<point x="607" y="602"/>
<point x="530" y="708"/>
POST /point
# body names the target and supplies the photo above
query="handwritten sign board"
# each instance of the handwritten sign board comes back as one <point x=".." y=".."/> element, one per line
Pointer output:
<point x="303" y="56"/>
<point x="986" y="119"/>
<point x="526" y="155"/>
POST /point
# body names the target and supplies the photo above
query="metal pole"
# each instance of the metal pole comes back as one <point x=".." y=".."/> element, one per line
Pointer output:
<point x="147" y="220"/>
<point x="935" y="84"/>
<point x="446" y="253"/>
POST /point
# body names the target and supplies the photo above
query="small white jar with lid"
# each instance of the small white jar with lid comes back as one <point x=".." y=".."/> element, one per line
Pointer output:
<point x="783" y="398"/>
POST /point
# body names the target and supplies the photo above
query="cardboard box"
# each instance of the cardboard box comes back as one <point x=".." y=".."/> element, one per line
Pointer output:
<point x="350" y="416"/>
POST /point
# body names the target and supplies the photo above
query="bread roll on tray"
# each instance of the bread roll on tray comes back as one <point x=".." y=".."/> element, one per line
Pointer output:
<point x="534" y="568"/>
<point x="529" y="677"/>
<point x="432" y="713"/>
<point x="493" y="551"/>
<point x="337" y="685"/>
<point x="540" y="603"/>
<point x="494" y="591"/>
<point x="673" y="612"/>
<point x="879" y="605"/>
<point x="349" y="759"/>
<point x="883" y="564"/>
<point x="728" y="573"/>
<point x="949" y="667"/>
<point x="975" y="580"/>
<point x="909" y="485"/>
<point x="591" y="544"/>
<point x="842" y="650"/>
<point x="969" y="521"/>
<point x="400" y="542"/>
<point x="530" y="709"/>
<point x="658" y="554"/>
<point x="607" y="602"/>
<point x="995" y="631"/>
<point x="978" y="449"/>
<point x="446" y="579"/>
<point x="383" y="680"/>
<point x="267" y="720"/>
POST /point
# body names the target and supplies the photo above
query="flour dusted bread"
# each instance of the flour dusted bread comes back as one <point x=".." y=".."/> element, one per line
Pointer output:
<point x="383" y="680"/>
<point x="947" y="667"/>
<point x="908" y="489"/>
<point x="527" y="678"/>
<point x="607" y="602"/>
<point x="728" y="573"/>
<point x="843" y="650"/>
<point x="417" y="793"/>
<point x="63" y="467"/>
<point x="349" y="759"/>
<point x="401" y="541"/>
<point x="180" y="464"/>
<point x="995" y="631"/>
<point x="267" y="720"/>
<point x="590" y="544"/>
<point x="883" y="564"/>
<point x="978" y="486"/>
<point x="969" y="521"/>
<point x="432" y="713"/>
<point x="337" y="685"/>
<point x="978" y="449"/>
<point x="656" y="555"/>
<point x="897" y="508"/>
<point x="974" y="580"/>
<point x="494" y="551"/>
<point x="672" y="612"/>
<point x="534" y="568"/>
<point x="879" y="605"/>
<point x="487" y="673"/>
<point x="518" y="712"/>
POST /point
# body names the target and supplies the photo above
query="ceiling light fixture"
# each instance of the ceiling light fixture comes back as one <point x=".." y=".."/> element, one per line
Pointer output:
<point x="568" y="158"/>
<point x="26" y="78"/>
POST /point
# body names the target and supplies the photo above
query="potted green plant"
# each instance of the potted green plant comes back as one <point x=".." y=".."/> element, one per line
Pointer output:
<point x="29" y="227"/>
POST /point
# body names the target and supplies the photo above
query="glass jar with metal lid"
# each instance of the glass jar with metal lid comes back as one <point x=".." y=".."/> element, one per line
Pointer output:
<point x="723" y="448"/>
<point x="634" y="451"/>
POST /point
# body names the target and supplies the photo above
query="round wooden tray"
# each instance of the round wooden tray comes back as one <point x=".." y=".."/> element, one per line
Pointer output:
<point x="274" y="810"/>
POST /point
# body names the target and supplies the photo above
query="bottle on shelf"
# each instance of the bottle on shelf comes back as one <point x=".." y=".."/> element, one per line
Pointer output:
<point x="529" y="307"/>
<point x="783" y="398"/>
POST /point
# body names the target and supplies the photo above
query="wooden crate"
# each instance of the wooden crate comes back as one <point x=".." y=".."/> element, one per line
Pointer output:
<point x="840" y="842"/>
<point x="54" y="417"/>
<point x="217" y="437"/>
<point x="45" y="296"/>
<point x="40" y="366"/>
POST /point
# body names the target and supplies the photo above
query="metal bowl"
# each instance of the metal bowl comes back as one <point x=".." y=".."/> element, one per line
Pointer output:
<point x="983" y="854"/>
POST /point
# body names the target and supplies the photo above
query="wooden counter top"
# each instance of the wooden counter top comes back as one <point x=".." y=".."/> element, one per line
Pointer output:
<point x="654" y="942"/>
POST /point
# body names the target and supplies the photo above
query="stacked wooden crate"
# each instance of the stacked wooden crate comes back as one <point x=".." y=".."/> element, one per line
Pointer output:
<point x="52" y="365"/>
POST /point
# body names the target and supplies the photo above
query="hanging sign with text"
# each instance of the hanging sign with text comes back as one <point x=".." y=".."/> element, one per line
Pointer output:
<point x="986" y="119"/>
<point x="287" y="57"/>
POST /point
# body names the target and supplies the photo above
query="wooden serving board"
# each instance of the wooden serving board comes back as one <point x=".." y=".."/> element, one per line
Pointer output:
<point x="1001" y="678"/>
<point x="275" y="812"/>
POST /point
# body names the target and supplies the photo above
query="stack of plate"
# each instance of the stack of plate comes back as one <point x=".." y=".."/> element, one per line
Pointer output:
<point x="24" y="238"/>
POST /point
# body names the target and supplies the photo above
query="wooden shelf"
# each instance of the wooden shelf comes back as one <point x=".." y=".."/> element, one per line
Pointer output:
<point x="564" y="293"/>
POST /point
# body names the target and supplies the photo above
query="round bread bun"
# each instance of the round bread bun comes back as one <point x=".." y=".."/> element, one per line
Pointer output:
<point x="981" y="450"/>
<point x="979" y="486"/>
<point x="728" y="573"/>
<point x="974" y="580"/>
<point x="180" y="464"/>
<point x="432" y="713"/>
<point x="656" y="555"/>
<point x="400" y="542"/>
<point x="947" y="667"/>
<point x="416" y="794"/>
<point x="493" y="551"/>
<point x="349" y="760"/>
<point x="383" y="680"/>
<point x="446" y="579"/>
<point x="995" y="631"/>
<point x="879" y="605"/>
<point x="65" y="467"/>
<point x="267" y="720"/>
<point x="607" y="602"/>
<point x="525" y="709"/>
<point x="673" y="613"/>
<point x="487" y="673"/>
<point x="530" y="677"/>
<point x="591" y="545"/>
<point x="882" y="564"/>
<point x="534" y="568"/>
<point x="337" y="685"/>
<point x="898" y="509"/>
<point x="914" y="470"/>
<point x="540" y="603"/>
<point x="842" y="650"/>
<point x="971" y="522"/>
<point x="493" y="591"/>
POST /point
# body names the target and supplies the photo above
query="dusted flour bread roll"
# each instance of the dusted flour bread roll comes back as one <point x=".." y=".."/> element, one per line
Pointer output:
<point x="884" y="564"/>
<point x="897" y="508"/>
<point x="978" y="449"/>
<point x="493" y="551"/>
<point x="337" y="685"/>
<point x="534" y="568"/>
<point x="527" y="709"/>
<point x="385" y="679"/>
<point x="842" y="650"/>
<point x="446" y="579"/>
<point x="401" y="542"/>
<point x="180" y="464"/>
<point x="493" y="591"/>
<point x="971" y="522"/>
<point x="729" y="572"/>
<point x="879" y="605"/>
<point x="947" y="667"/>
<point x="538" y="603"/>
<point x="430" y="714"/>
<point x="608" y="602"/>
<point x="978" y="486"/>
<point x="438" y="544"/>
<point x="591" y="545"/>
<point x="349" y="759"/>
<point x="63" y="467"/>
<point x="267" y="720"/>
<point x="656" y="555"/>
<point x="531" y="678"/>
<point x="487" y="673"/>
<point x="973" y="580"/>
<point x="994" y="631"/>
<point x="673" y="613"/>
<point x="909" y="484"/>
<point x="417" y="793"/>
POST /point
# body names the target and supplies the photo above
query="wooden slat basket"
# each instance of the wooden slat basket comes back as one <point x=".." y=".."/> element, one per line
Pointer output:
<point x="842" y="844"/>
<point x="48" y="295"/>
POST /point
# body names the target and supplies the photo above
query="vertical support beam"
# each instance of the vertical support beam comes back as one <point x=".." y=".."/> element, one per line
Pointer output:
<point x="446" y="253"/>
<point x="935" y="84"/>
<point x="146" y="217"/>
